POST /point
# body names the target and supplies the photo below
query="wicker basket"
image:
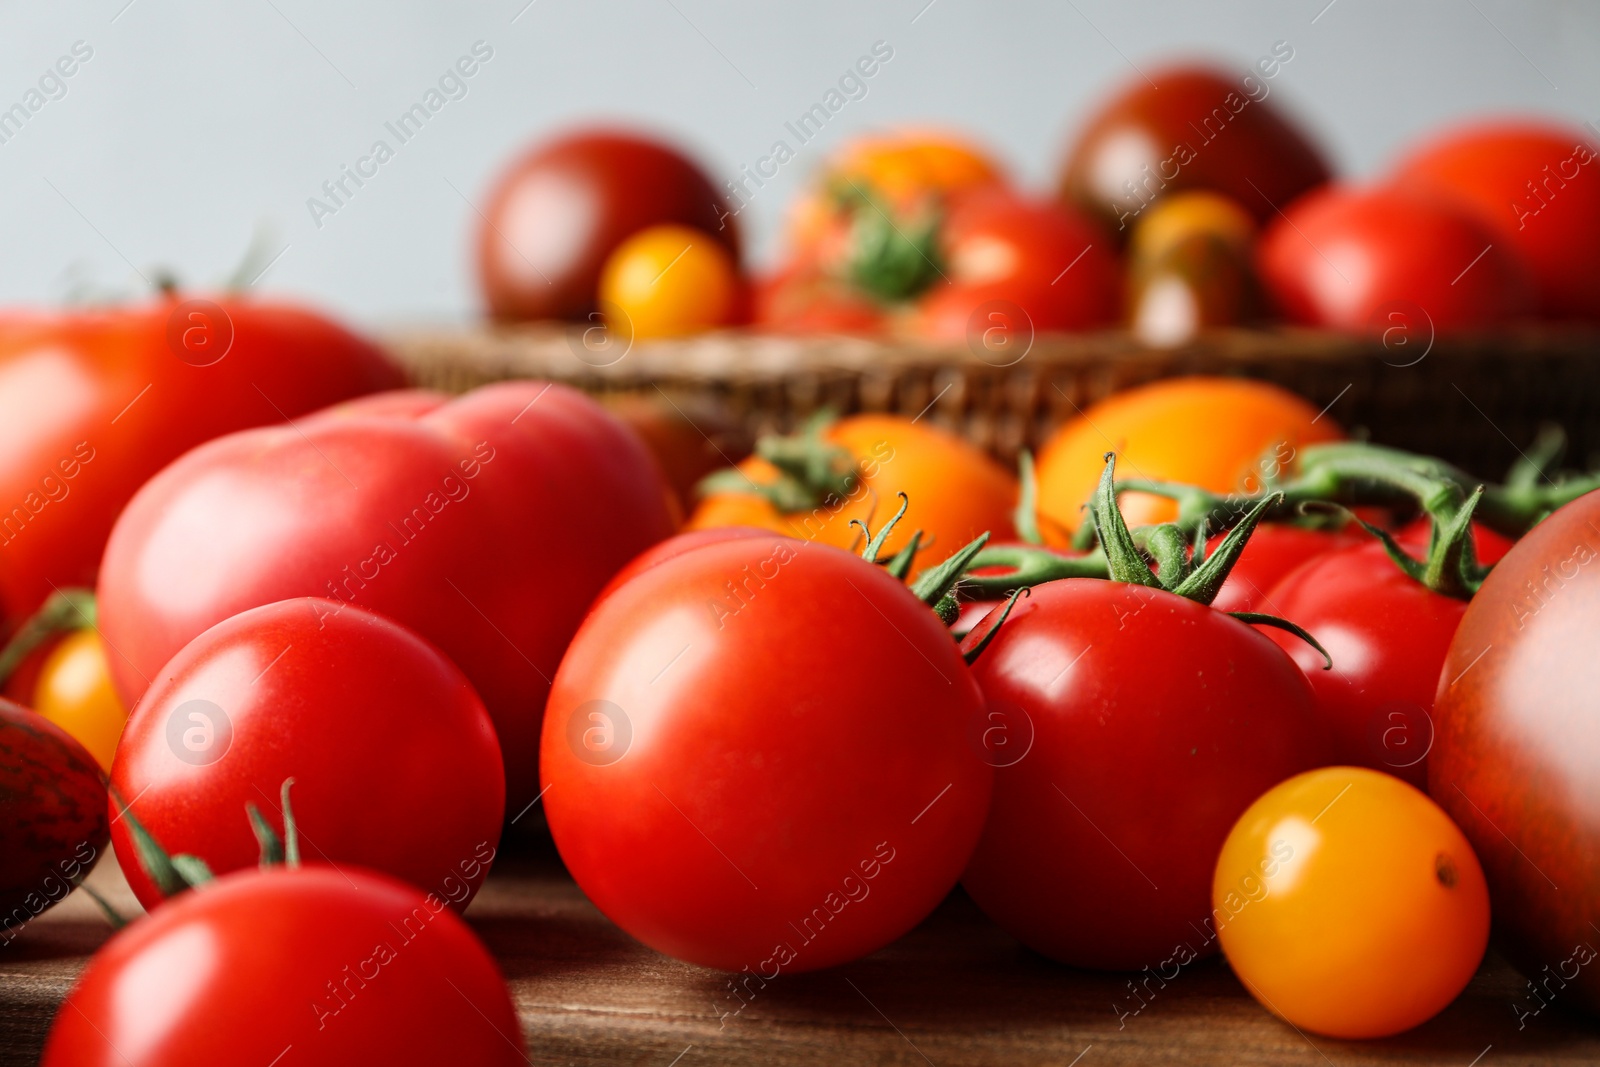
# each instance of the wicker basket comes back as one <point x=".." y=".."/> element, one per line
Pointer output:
<point x="1475" y="401"/>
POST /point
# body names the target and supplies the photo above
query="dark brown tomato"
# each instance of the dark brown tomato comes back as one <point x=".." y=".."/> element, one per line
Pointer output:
<point x="1202" y="129"/>
<point x="1516" y="759"/>
<point x="52" y="815"/>
<point x="558" y="211"/>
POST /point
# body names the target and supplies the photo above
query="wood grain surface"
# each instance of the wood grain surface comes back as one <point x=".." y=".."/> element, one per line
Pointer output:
<point x="955" y="991"/>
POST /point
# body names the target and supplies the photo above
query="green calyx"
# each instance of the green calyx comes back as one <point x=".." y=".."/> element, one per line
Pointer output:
<point x="1450" y="566"/>
<point x="890" y="259"/>
<point x="65" y="611"/>
<point x="811" y="469"/>
<point x="174" y="874"/>
<point x="1357" y="474"/>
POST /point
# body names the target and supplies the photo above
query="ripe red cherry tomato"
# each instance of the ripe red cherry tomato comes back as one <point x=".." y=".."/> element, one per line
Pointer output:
<point x="1517" y="758"/>
<point x="1043" y="257"/>
<point x="315" y="966"/>
<point x="558" y="211"/>
<point x="393" y="756"/>
<point x="1378" y="260"/>
<point x="1536" y="186"/>
<point x="1138" y="726"/>
<point x="1387" y="635"/>
<point x="1274" y="550"/>
<point x="757" y="755"/>
<point x="92" y="403"/>
<point x="486" y="523"/>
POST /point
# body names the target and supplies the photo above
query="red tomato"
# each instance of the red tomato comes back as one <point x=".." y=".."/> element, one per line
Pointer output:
<point x="1381" y="260"/>
<point x="1533" y="184"/>
<point x="486" y="524"/>
<point x="557" y="213"/>
<point x="1137" y="727"/>
<point x="393" y="756"/>
<point x="54" y="827"/>
<point x="1517" y="759"/>
<point x="93" y="403"/>
<point x="329" y="967"/>
<point x="1387" y="635"/>
<point x="1042" y="257"/>
<point x="1273" y="551"/>
<point x="803" y="300"/>
<point x="675" y="546"/>
<point x="757" y="756"/>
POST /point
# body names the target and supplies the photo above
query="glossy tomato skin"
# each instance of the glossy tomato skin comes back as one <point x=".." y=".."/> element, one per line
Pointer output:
<point x="1374" y="260"/>
<point x="92" y="403"/>
<point x="1536" y="186"/>
<point x="54" y="827"/>
<point x="678" y="545"/>
<point x="1387" y="635"/>
<point x="341" y="966"/>
<point x="1517" y="759"/>
<point x="758" y="733"/>
<point x="394" y="759"/>
<point x="1168" y="139"/>
<point x="74" y="691"/>
<point x="1349" y="904"/>
<point x="1055" y="264"/>
<point x="1154" y="723"/>
<point x="1272" y="553"/>
<point x="486" y="524"/>
<point x="558" y="211"/>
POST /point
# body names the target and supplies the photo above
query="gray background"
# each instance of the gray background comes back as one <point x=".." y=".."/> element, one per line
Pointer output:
<point x="196" y="123"/>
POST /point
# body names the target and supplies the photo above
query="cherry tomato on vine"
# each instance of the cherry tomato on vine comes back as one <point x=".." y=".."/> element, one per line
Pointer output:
<point x="393" y="756"/>
<point x="322" y="966"/>
<point x="1154" y="721"/>
<point x="1489" y="546"/>
<point x="1387" y="635"/>
<point x="1223" y="434"/>
<point x="74" y="691"/>
<point x="1349" y="904"/>
<point x="757" y="755"/>
<point x="670" y="280"/>
<point x="1274" y="551"/>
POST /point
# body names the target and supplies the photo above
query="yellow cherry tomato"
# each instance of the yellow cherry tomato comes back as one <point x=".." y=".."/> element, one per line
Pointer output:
<point x="669" y="281"/>
<point x="74" y="691"/>
<point x="1348" y="903"/>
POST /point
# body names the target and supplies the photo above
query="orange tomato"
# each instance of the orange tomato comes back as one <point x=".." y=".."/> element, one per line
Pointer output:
<point x="1349" y="904"/>
<point x="906" y="169"/>
<point x="956" y="491"/>
<point x="1223" y="434"/>
<point x="669" y="281"/>
<point x="74" y="691"/>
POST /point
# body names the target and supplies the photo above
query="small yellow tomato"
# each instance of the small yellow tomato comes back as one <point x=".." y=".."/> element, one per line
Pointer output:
<point x="74" y="691"/>
<point x="669" y="281"/>
<point x="1348" y="903"/>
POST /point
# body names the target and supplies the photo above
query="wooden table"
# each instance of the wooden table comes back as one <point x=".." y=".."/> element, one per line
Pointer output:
<point x="955" y="991"/>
